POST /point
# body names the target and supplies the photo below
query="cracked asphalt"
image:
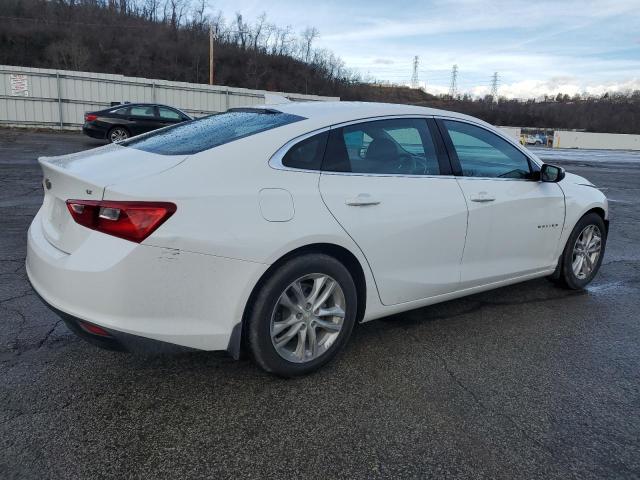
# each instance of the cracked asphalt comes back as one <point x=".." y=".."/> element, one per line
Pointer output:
<point x="528" y="381"/>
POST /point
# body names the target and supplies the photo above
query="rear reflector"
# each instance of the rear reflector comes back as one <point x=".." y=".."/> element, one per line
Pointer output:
<point x="132" y="221"/>
<point x="90" y="117"/>
<point x="93" y="329"/>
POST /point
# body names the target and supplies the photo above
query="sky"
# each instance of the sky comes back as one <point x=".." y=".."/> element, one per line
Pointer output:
<point x="537" y="47"/>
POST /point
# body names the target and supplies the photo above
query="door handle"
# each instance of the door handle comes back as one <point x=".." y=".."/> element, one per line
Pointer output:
<point x="482" y="197"/>
<point x="362" y="200"/>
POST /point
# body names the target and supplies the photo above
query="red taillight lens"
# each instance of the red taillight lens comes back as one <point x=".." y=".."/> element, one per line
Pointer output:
<point x="132" y="221"/>
<point x="94" y="329"/>
<point x="90" y="117"/>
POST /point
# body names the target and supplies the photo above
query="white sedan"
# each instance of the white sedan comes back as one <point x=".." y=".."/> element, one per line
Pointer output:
<point x="276" y="229"/>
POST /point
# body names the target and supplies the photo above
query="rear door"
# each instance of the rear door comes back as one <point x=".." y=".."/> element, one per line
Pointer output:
<point x="388" y="183"/>
<point x="143" y="119"/>
<point x="515" y="220"/>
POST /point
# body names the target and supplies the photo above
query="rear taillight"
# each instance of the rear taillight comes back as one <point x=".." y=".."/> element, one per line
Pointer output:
<point x="132" y="221"/>
<point x="90" y="117"/>
<point x="93" y="329"/>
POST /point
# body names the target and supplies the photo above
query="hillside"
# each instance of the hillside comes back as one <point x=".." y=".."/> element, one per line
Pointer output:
<point x="169" y="39"/>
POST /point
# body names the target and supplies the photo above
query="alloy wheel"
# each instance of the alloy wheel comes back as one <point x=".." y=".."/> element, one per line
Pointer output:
<point x="118" y="135"/>
<point x="586" y="251"/>
<point x="308" y="318"/>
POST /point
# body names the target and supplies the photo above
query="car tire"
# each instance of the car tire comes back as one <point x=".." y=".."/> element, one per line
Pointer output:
<point x="298" y="301"/>
<point x="576" y="266"/>
<point x="118" y="134"/>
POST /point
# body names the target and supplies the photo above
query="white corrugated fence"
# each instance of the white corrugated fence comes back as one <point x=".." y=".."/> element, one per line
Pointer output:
<point x="39" y="97"/>
<point x="604" y="141"/>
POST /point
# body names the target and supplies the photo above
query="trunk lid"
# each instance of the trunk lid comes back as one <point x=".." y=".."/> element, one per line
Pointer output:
<point x="85" y="176"/>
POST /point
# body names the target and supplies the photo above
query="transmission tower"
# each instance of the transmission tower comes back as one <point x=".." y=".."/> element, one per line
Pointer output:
<point x="453" y="88"/>
<point x="494" y="87"/>
<point x="414" y="76"/>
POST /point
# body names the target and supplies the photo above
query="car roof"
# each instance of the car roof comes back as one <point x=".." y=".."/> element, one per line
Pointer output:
<point x="141" y="104"/>
<point x="338" y="112"/>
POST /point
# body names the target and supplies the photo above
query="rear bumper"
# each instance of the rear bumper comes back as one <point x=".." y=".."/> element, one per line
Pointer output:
<point x="139" y="292"/>
<point x="94" y="132"/>
<point x="115" y="340"/>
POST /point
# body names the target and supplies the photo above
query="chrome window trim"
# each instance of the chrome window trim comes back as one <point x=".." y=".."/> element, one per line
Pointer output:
<point x="275" y="161"/>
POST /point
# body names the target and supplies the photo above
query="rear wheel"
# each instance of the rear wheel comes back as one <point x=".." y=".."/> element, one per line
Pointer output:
<point x="582" y="255"/>
<point x="118" y="134"/>
<point x="303" y="315"/>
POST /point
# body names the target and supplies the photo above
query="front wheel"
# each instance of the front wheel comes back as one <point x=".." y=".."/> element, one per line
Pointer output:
<point x="302" y="316"/>
<point x="583" y="253"/>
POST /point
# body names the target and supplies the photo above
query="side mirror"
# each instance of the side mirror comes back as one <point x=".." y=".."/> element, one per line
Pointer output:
<point x="551" y="173"/>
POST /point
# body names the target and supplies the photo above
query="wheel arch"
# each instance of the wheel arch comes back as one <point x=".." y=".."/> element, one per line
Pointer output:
<point x="599" y="211"/>
<point x="342" y="254"/>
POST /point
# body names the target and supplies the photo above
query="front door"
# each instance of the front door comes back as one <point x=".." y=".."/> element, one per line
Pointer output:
<point x="168" y="116"/>
<point x="391" y="190"/>
<point x="515" y="221"/>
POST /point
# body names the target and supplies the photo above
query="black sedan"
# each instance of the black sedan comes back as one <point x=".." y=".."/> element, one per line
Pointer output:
<point x="127" y="120"/>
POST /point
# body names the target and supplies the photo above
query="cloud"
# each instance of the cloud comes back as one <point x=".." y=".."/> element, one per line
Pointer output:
<point x="382" y="61"/>
<point x="546" y="46"/>
<point x="570" y="86"/>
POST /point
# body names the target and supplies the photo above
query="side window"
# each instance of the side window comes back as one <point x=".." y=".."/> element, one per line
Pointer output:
<point x="398" y="146"/>
<point x="121" y="111"/>
<point x="142" y="111"/>
<point x="168" y="114"/>
<point x="484" y="154"/>
<point x="306" y="154"/>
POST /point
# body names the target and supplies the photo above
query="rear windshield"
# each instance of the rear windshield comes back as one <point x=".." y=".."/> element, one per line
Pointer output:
<point x="198" y="135"/>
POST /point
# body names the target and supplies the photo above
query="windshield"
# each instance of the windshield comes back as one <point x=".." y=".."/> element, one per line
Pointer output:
<point x="198" y="135"/>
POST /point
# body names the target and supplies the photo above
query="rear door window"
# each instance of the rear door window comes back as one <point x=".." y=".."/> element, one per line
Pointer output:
<point x="208" y="132"/>
<point x="390" y="147"/>
<point x="143" y="111"/>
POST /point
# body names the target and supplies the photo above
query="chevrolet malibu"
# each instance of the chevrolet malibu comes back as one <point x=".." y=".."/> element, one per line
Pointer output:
<point x="276" y="229"/>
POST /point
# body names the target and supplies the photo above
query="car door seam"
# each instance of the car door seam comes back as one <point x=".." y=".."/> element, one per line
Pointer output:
<point x="466" y="232"/>
<point x="352" y="239"/>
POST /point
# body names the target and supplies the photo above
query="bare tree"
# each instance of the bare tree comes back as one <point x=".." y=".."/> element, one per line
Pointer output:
<point x="258" y="29"/>
<point x="284" y="40"/>
<point x="308" y="36"/>
<point x="176" y="9"/>
<point x="199" y="17"/>
<point x="241" y="32"/>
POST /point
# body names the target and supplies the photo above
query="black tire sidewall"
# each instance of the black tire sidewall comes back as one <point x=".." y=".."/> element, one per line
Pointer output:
<point x="259" y="335"/>
<point x="568" y="276"/>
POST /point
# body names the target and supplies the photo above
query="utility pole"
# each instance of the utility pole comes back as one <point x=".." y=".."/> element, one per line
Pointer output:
<point x="414" y="77"/>
<point x="494" y="87"/>
<point x="454" y="82"/>
<point x="210" y="54"/>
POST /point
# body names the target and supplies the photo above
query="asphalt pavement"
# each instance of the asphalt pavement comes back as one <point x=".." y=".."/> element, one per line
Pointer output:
<point x="528" y="381"/>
